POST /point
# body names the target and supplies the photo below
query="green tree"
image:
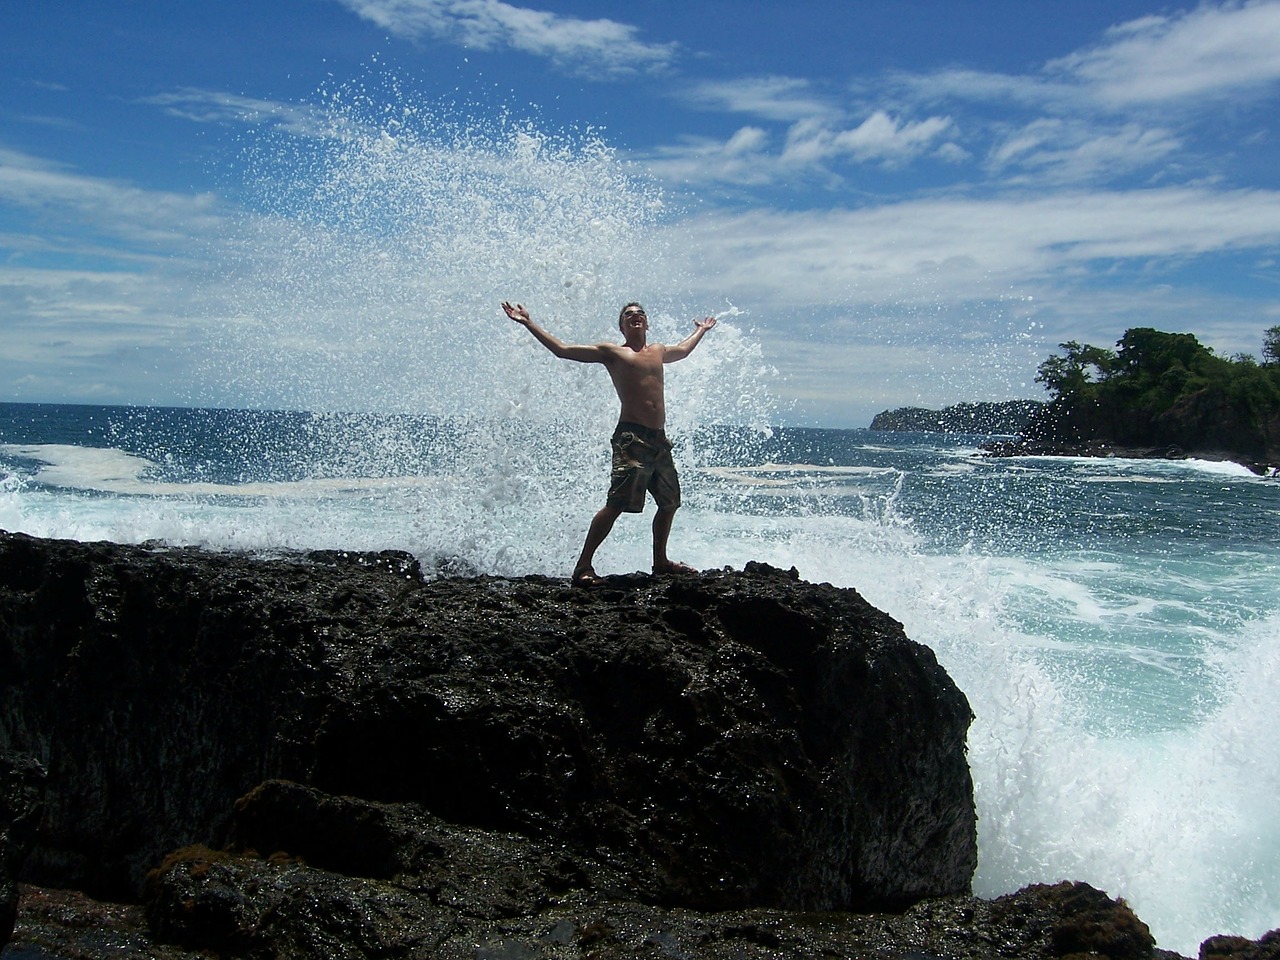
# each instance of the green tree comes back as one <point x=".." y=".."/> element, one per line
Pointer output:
<point x="1069" y="374"/>
<point x="1271" y="346"/>
<point x="1146" y="354"/>
<point x="1161" y="388"/>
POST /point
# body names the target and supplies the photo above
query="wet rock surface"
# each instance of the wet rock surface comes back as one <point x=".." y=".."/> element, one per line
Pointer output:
<point x="21" y="791"/>
<point x="243" y="906"/>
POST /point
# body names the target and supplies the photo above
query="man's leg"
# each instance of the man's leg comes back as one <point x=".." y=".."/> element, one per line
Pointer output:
<point x="661" y="533"/>
<point x="662" y="521"/>
<point x="601" y="524"/>
<point x="665" y="487"/>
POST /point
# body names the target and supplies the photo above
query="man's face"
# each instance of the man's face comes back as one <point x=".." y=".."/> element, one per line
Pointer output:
<point x="633" y="318"/>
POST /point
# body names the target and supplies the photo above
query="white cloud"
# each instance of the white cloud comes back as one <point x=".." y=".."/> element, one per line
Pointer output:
<point x="959" y="249"/>
<point x="746" y="140"/>
<point x="770" y="98"/>
<point x="1089" y="116"/>
<point x="98" y="207"/>
<point x="213" y="106"/>
<point x="812" y="148"/>
<point x="739" y="160"/>
<point x="951" y="152"/>
<point x="1071" y="152"/>
<point x="586" y="46"/>
<point x="1193" y="58"/>
<point x="881" y="137"/>
<point x="951" y="84"/>
<point x="1209" y="53"/>
<point x="96" y="275"/>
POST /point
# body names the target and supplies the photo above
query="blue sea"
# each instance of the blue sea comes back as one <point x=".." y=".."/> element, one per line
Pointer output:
<point x="1114" y="623"/>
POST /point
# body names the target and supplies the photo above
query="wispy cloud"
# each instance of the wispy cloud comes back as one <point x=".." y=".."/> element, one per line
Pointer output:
<point x="1202" y="55"/>
<point x="214" y="106"/>
<point x="1187" y="60"/>
<point x="90" y="233"/>
<point x="961" y="85"/>
<point x="817" y="147"/>
<point x="769" y="98"/>
<point x="742" y="159"/>
<point x="1126" y="104"/>
<point x="1068" y="152"/>
<point x="97" y="276"/>
<point x="961" y="249"/>
<point x="95" y="207"/>
<point x="598" y="47"/>
<point x="879" y="138"/>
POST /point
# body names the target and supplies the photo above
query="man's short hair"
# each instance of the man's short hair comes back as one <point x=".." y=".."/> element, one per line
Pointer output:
<point x="628" y="306"/>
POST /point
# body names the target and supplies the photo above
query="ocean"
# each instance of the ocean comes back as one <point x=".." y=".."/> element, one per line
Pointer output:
<point x="1114" y="623"/>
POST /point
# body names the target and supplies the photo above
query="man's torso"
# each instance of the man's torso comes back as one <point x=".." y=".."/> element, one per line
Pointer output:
<point x="638" y="378"/>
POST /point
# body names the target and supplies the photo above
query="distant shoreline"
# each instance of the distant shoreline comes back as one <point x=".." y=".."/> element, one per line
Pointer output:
<point x="1006" y="418"/>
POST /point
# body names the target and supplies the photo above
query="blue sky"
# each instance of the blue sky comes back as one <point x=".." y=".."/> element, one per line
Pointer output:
<point x="902" y="204"/>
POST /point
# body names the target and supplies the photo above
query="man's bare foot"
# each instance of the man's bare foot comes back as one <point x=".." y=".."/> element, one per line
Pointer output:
<point x="585" y="577"/>
<point x="670" y="566"/>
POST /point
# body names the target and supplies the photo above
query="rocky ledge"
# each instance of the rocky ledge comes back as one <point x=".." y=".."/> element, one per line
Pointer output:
<point x="330" y="756"/>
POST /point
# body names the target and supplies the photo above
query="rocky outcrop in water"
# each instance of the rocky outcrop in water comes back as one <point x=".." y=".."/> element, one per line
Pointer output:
<point x="1004" y="418"/>
<point x="732" y="740"/>
<point x="1159" y="395"/>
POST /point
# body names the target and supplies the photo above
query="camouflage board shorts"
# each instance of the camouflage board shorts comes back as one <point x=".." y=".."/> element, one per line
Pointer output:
<point x="642" y="463"/>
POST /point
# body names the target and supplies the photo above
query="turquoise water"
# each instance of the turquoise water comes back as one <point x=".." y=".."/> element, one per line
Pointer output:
<point x="1115" y="623"/>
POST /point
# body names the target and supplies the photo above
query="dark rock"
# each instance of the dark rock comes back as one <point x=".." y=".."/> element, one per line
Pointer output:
<point x="21" y="784"/>
<point x="349" y="762"/>
<point x="1077" y="920"/>
<point x="474" y="871"/>
<point x="58" y="924"/>
<point x="253" y="907"/>
<point x="396" y="562"/>
<point x="247" y="906"/>
<point x="1266" y="947"/>
<point x="1003" y="418"/>
<point x="741" y="738"/>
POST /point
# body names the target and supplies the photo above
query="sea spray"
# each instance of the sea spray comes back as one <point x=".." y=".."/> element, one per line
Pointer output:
<point x="1172" y="810"/>
<point x="365" y="276"/>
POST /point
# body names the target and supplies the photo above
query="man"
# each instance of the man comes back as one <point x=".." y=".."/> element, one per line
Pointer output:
<point x="641" y="452"/>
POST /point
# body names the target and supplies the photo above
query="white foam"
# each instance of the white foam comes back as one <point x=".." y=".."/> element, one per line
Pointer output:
<point x="103" y="470"/>
<point x="67" y="465"/>
<point x="1183" y="824"/>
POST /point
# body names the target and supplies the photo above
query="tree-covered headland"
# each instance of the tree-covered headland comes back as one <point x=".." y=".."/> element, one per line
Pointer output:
<point x="1158" y="392"/>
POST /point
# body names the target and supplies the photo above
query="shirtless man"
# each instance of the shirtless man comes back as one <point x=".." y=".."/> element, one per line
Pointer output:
<point x="641" y="452"/>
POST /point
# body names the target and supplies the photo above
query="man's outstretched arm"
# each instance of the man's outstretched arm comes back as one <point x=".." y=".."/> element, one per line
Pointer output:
<point x="583" y="353"/>
<point x="685" y="346"/>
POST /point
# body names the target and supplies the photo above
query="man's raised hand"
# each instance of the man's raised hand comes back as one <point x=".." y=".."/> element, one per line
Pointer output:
<point x="516" y="312"/>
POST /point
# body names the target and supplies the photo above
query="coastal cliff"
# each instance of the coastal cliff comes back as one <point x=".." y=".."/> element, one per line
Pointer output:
<point x="330" y="755"/>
